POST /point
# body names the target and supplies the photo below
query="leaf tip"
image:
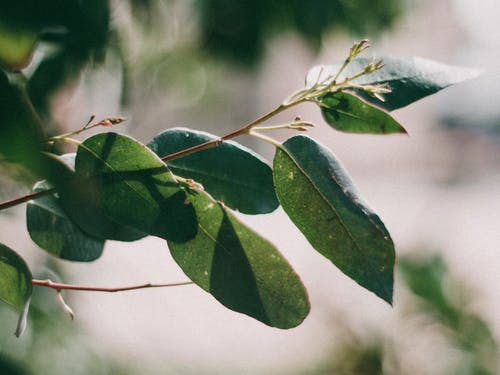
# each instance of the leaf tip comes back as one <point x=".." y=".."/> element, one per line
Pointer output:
<point x="404" y="131"/>
<point x="386" y="292"/>
<point x="23" y="319"/>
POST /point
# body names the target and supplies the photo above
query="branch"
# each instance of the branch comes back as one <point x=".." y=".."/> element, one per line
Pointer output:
<point x="246" y="129"/>
<point x="25" y="198"/>
<point x="243" y="130"/>
<point x="59" y="286"/>
<point x="301" y="96"/>
<point x="108" y="121"/>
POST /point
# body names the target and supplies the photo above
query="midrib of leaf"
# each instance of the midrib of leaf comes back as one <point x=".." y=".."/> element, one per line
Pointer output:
<point x="352" y="115"/>
<point x="214" y="240"/>
<point x="361" y="207"/>
<point x="327" y="201"/>
<point x="144" y="198"/>
<point x="335" y="211"/>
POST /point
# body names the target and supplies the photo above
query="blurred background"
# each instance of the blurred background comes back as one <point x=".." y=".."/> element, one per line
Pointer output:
<point x="214" y="65"/>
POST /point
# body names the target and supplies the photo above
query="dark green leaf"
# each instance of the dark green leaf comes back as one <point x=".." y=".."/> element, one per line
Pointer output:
<point x="51" y="229"/>
<point x="410" y="79"/>
<point x="320" y="199"/>
<point x="348" y="113"/>
<point x="231" y="173"/>
<point x="79" y="199"/>
<point x="15" y="284"/>
<point x="242" y="270"/>
<point x="20" y="132"/>
<point x="131" y="186"/>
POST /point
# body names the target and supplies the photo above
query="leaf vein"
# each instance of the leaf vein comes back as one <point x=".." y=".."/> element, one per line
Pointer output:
<point x="343" y="224"/>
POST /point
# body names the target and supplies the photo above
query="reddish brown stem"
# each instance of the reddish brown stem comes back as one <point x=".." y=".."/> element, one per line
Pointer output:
<point x="243" y="130"/>
<point x="215" y="142"/>
<point x="59" y="286"/>
<point x="25" y="198"/>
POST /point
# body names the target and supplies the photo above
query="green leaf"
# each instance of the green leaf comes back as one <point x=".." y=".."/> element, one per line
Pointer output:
<point x="15" y="284"/>
<point x="131" y="186"/>
<point x="79" y="199"/>
<point x="410" y="79"/>
<point x="16" y="46"/>
<point x="320" y="199"/>
<point x="20" y="129"/>
<point x="230" y="172"/>
<point x="346" y="112"/>
<point x="239" y="268"/>
<point x="51" y="229"/>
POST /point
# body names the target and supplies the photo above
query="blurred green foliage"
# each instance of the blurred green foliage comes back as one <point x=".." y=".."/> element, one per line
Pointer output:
<point x="438" y="300"/>
<point x="55" y="345"/>
<point x="66" y="36"/>
<point x="78" y="31"/>
<point x="238" y="30"/>
<point x="446" y="300"/>
<point x="52" y="344"/>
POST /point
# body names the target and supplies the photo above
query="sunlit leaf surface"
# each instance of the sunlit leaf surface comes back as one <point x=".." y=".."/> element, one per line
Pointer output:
<point x="128" y="184"/>
<point x="346" y="112"/>
<point x="242" y="270"/>
<point x="320" y="199"/>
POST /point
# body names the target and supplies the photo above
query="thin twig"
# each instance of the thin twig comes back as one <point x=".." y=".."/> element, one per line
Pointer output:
<point x="25" y="198"/>
<point x="59" y="286"/>
<point x="215" y="142"/>
<point x="108" y="121"/>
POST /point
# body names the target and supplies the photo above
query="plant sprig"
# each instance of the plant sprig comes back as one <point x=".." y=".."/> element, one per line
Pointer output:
<point x="190" y="203"/>
<point x="317" y="90"/>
